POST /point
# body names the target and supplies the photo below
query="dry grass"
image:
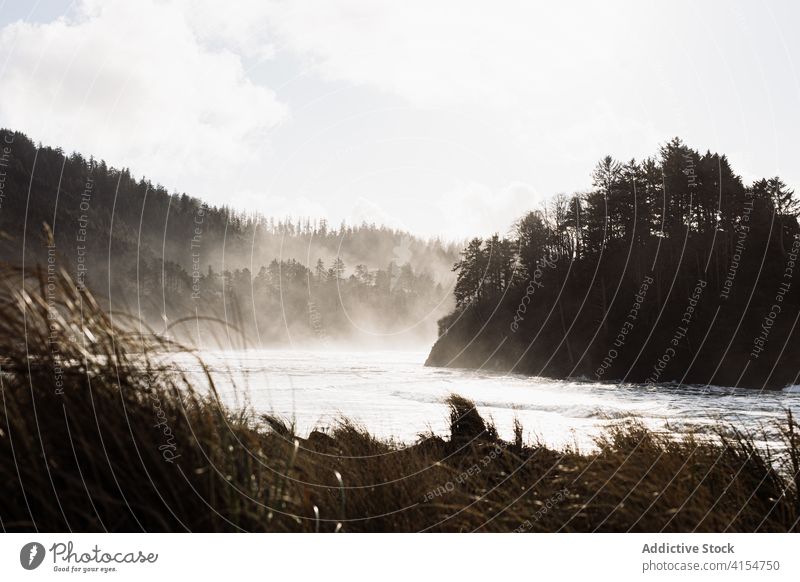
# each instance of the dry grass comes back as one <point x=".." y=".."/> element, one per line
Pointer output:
<point x="94" y="437"/>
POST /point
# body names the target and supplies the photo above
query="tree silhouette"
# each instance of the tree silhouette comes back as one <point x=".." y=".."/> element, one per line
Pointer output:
<point x="628" y="255"/>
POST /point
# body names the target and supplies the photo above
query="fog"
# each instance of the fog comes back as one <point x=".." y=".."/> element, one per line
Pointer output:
<point x="218" y="276"/>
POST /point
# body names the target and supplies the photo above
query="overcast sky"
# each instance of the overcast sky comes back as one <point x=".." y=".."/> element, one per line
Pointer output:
<point x="448" y="118"/>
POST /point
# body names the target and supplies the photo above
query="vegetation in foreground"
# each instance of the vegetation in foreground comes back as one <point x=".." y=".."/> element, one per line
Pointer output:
<point x="94" y="437"/>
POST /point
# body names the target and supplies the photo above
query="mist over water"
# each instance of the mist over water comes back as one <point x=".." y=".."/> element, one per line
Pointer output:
<point x="392" y="395"/>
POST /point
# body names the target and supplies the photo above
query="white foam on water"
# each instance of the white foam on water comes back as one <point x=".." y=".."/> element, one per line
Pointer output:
<point x="393" y="395"/>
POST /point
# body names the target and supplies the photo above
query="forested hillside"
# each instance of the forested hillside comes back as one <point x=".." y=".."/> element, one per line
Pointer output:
<point x="166" y="256"/>
<point x="668" y="269"/>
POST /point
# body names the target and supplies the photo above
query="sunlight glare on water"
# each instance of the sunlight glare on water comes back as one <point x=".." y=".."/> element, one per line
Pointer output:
<point x="393" y="395"/>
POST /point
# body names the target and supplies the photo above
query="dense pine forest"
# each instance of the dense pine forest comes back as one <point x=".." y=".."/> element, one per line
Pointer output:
<point x="670" y="269"/>
<point x="165" y="257"/>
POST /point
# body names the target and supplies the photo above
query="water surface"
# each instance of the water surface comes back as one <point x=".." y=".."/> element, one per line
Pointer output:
<point x="393" y="395"/>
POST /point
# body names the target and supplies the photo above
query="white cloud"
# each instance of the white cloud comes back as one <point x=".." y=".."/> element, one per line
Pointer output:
<point x="279" y="207"/>
<point x="132" y="83"/>
<point x="369" y="211"/>
<point x="456" y="51"/>
<point x="180" y="90"/>
<point x="239" y="27"/>
<point x="571" y="80"/>
<point x="474" y="209"/>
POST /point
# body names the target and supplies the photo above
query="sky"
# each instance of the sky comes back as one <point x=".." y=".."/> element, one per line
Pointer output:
<point x="446" y="119"/>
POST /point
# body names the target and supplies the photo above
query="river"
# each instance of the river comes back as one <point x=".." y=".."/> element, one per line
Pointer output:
<point x="391" y="394"/>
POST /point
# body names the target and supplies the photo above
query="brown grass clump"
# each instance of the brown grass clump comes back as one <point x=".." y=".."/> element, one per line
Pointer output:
<point x="95" y="435"/>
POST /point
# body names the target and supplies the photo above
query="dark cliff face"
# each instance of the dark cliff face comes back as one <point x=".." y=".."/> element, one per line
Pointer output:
<point x="668" y="271"/>
<point x="707" y="352"/>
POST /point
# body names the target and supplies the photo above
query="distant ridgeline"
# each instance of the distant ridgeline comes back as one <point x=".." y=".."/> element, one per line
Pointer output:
<point x="168" y="256"/>
<point x="669" y="269"/>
